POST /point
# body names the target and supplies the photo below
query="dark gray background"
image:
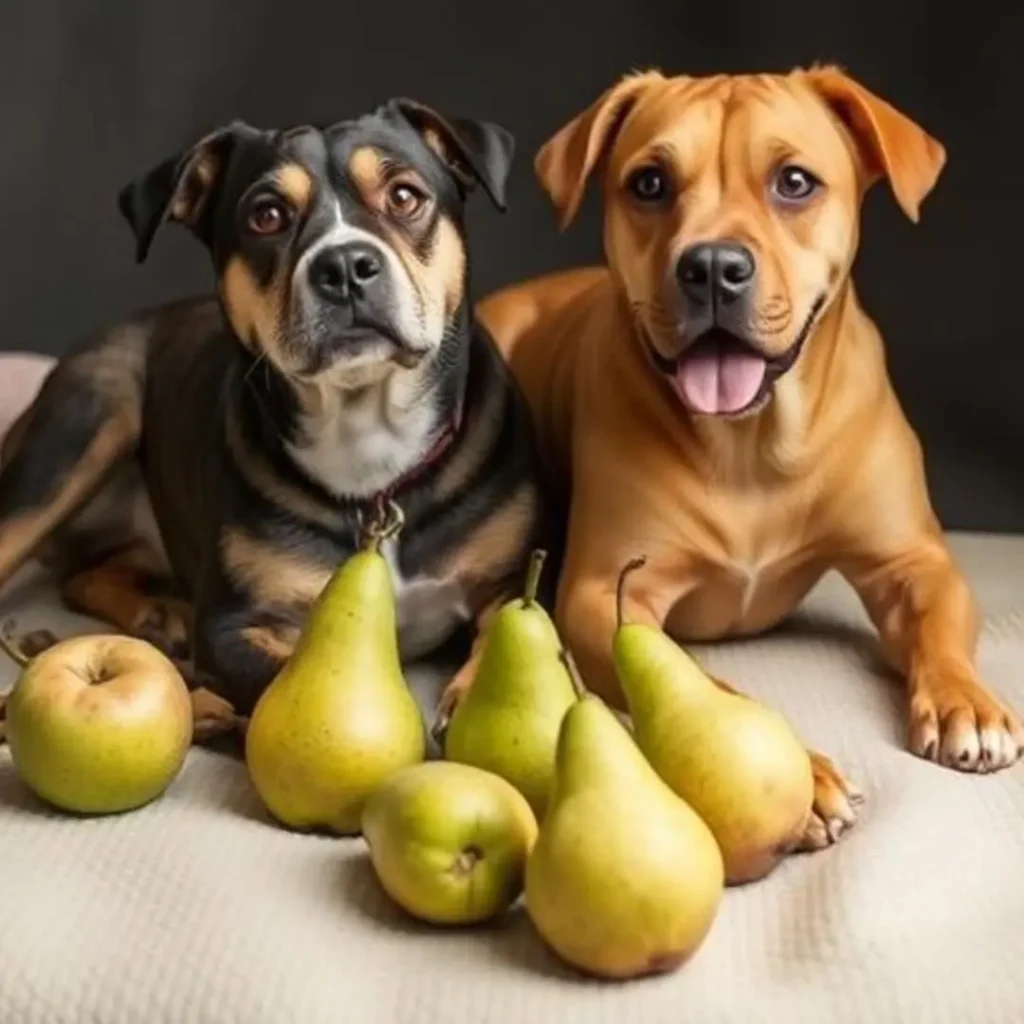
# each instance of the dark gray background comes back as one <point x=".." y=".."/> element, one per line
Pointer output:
<point x="93" y="91"/>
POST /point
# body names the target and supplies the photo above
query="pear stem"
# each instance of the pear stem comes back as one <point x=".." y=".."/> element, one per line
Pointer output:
<point x="574" y="673"/>
<point x="15" y="654"/>
<point x="533" y="577"/>
<point x="620" y="590"/>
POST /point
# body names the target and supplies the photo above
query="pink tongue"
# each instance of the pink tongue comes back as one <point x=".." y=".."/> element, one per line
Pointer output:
<point x="713" y="380"/>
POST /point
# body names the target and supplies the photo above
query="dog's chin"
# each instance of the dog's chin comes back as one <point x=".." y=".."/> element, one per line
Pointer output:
<point x="721" y="375"/>
<point x="359" y="357"/>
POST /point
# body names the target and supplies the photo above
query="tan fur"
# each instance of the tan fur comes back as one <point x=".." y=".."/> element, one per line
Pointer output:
<point x="255" y="313"/>
<point x="496" y="546"/>
<point x="740" y="517"/>
<point x="271" y="575"/>
<point x="278" y="644"/>
<point x="20" y="537"/>
<point x="296" y="185"/>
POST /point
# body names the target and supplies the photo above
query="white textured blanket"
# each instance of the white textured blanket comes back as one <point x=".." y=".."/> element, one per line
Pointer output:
<point x="196" y="910"/>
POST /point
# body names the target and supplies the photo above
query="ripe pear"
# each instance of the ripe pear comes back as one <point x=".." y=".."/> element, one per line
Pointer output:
<point x="99" y="724"/>
<point x="625" y="879"/>
<point x="449" y="841"/>
<point x="736" y="762"/>
<point x="508" y="721"/>
<point x="338" y="719"/>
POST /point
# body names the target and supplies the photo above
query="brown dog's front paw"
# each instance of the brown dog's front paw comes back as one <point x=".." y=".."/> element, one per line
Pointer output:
<point x="835" y="805"/>
<point x="961" y="725"/>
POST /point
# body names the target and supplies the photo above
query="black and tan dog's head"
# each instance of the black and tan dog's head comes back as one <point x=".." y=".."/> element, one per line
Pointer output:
<point x="339" y="251"/>
<point x="731" y="212"/>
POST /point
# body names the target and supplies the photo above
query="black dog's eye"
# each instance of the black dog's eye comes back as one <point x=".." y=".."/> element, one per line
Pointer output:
<point x="405" y="200"/>
<point x="268" y="215"/>
<point x="793" y="183"/>
<point x="648" y="184"/>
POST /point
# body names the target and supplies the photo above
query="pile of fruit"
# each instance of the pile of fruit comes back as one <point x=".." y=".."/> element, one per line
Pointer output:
<point x="621" y="841"/>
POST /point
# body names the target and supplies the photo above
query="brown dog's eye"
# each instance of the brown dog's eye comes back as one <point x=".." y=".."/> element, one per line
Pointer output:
<point x="405" y="200"/>
<point x="648" y="184"/>
<point x="793" y="183"/>
<point x="268" y="216"/>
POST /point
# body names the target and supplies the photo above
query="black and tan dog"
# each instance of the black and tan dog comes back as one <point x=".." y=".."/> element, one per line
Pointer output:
<point x="197" y="472"/>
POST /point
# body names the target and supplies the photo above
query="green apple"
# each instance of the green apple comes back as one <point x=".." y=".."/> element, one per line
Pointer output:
<point x="99" y="724"/>
<point x="449" y="842"/>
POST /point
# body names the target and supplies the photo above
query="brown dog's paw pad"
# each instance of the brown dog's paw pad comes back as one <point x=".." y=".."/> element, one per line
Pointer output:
<point x="962" y="726"/>
<point x="836" y="800"/>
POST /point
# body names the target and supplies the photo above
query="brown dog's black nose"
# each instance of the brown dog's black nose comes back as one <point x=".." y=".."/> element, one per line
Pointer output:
<point x="344" y="272"/>
<point x="715" y="272"/>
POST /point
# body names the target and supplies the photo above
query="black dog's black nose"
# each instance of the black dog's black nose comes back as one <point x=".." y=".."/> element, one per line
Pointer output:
<point x="343" y="272"/>
<point x="711" y="272"/>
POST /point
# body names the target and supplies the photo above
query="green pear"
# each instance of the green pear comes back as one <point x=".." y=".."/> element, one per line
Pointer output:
<point x="508" y="721"/>
<point x="338" y="719"/>
<point x="625" y="879"/>
<point x="99" y="724"/>
<point x="736" y="762"/>
<point x="449" y="841"/>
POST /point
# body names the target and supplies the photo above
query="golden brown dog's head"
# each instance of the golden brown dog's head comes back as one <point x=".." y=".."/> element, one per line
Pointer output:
<point x="731" y="212"/>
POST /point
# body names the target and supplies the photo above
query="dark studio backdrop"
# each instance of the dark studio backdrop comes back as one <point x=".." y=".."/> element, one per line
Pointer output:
<point x="94" y="91"/>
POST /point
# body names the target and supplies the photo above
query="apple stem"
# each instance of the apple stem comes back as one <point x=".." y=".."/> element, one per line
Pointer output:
<point x="7" y="646"/>
<point x="574" y="673"/>
<point x="536" y="567"/>
<point x="620" y="589"/>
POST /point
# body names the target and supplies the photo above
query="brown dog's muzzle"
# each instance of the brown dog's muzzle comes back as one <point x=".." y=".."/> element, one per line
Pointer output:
<point x="722" y="369"/>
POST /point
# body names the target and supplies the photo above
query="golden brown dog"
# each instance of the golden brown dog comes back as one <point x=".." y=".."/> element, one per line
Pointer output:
<point x="719" y="400"/>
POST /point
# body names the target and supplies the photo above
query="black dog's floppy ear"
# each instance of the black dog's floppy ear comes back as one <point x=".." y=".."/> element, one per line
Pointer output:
<point x="476" y="151"/>
<point x="179" y="188"/>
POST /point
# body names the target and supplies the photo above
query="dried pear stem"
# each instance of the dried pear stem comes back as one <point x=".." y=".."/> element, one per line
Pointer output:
<point x="533" y="576"/>
<point x="15" y="654"/>
<point x="620" y="590"/>
<point x="574" y="673"/>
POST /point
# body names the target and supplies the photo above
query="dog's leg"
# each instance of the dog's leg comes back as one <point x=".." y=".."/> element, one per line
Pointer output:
<point x="57" y="460"/>
<point x="118" y="592"/>
<point x="459" y="685"/>
<point x="241" y="651"/>
<point x="587" y="620"/>
<point x="927" y="620"/>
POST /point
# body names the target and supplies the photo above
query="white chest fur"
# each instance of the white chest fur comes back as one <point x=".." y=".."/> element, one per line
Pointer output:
<point x="358" y="446"/>
<point x="429" y="610"/>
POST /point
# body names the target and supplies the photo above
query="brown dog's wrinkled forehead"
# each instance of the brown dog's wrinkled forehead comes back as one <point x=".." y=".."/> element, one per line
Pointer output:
<point x="733" y="120"/>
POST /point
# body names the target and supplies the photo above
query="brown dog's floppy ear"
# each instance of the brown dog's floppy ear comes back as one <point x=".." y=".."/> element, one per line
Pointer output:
<point x="474" y="151"/>
<point x="891" y="144"/>
<point x="179" y="189"/>
<point x="566" y="161"/>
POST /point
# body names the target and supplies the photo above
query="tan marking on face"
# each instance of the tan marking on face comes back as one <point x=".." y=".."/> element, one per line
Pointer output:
<point x="366" y="167"/>
<point x="721" y="142"/>
<point x="255" y="314"/>
<point x="296" y="186"/>
<point x="271" y="575"/>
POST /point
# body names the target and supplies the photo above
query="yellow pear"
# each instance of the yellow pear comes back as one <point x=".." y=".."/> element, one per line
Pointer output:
<point x="449" y="841"/>
<point x="625" y="879"/>
<point x="99" y="724"/>
<point x="508" y="722"/>
<point x="736" y="762"/>
<point x="338" y="719"/>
